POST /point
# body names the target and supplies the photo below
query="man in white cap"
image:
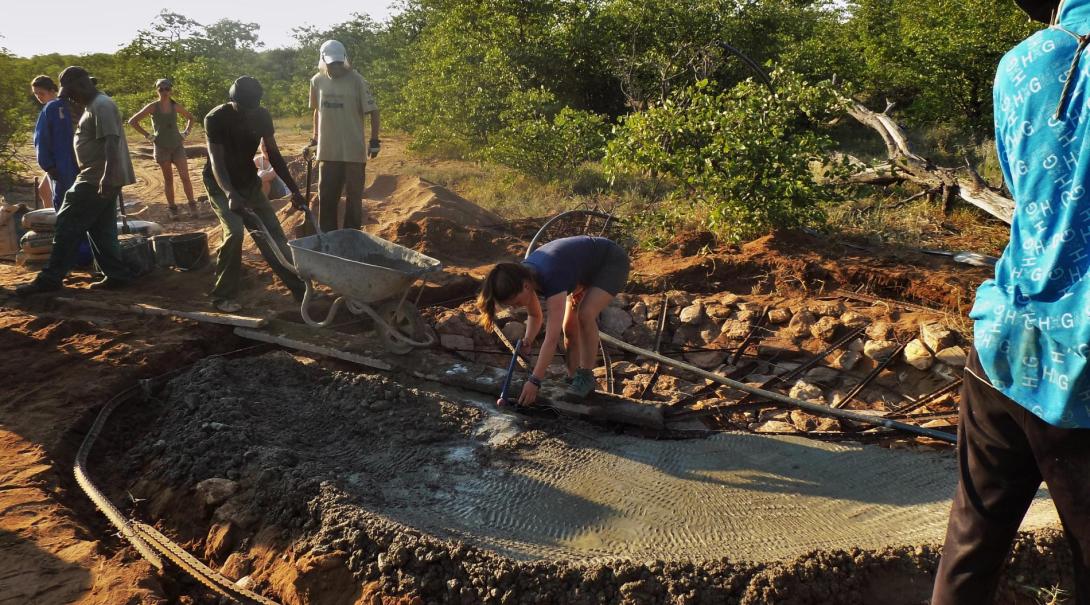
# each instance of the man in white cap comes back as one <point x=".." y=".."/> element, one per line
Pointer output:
<point x="341" y="100"/>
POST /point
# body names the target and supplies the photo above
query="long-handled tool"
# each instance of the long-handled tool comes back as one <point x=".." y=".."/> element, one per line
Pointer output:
<point x="121" y="208"/>
<point x="502" y="401"/>
<point x="308" y="155"/>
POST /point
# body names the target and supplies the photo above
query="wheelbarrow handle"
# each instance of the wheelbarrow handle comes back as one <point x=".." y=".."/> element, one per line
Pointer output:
<point x="263" y="232"/>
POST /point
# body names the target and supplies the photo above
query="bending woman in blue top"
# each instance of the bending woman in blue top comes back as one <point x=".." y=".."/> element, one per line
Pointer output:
<point x="577" y="277"/>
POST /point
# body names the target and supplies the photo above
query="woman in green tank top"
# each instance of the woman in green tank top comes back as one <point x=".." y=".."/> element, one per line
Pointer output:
<point x="169" y="142"/>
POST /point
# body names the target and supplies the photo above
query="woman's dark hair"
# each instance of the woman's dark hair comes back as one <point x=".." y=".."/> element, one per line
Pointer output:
<point x="44" y="82"/>
<point x="503" y="281"/>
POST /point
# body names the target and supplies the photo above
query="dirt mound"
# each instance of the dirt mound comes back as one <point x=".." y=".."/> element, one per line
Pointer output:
<point x="794" y="260"/>
<point x="395" y="199"/>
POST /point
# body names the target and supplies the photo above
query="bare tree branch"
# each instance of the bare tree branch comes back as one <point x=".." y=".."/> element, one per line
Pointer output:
<point x="904" y="165"/>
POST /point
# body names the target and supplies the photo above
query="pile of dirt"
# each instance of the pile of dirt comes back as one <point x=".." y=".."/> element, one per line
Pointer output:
<point x="366" y="484"/>
<point x="395" y="199"/>
<point x="794" y="261"/>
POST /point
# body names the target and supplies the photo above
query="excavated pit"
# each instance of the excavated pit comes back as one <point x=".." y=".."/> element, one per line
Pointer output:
<point x="384" y="477"/>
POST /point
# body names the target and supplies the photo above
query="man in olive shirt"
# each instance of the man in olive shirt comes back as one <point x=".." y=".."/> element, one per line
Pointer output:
<point x="341" y="100"/>
<point x="234" y="131"/>
<point x="89" y="208"/>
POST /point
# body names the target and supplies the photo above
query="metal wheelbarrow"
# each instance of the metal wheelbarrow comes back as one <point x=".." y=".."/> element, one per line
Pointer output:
<point x="370" y="275"/>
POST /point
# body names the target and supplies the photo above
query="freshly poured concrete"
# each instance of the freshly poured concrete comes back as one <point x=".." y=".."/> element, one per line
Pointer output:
<point x="595" y="496"/>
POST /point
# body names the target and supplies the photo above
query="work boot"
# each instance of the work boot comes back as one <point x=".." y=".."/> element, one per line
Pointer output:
<point x="581" y="385"/>
<point x="226" y="305"/>
<point x="38" y="286"/>
<point x="193" y="212"/>
<point x="173" y="212"/>
<point x="108" y="283"/>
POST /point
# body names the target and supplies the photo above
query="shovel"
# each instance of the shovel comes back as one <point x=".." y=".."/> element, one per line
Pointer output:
<point x="502" y="401"/>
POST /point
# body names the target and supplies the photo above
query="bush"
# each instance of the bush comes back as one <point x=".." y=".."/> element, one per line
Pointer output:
<point x="202" y="84"/>
<point x="14" y="120"/>
<point x="543" y="145"/>
<point x="743" y="160"/>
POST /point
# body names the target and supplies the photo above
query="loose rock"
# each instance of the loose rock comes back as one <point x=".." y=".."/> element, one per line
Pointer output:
<point x="937" y="336"/>
<point x="847" y="359"/>
<point x="952" y="356"/>
<point x="614" y="321"/>
<point x="879" y="330"/>
<point x="879" y="350"/>
<point x="825" y="328"/>
<point x="779" y="316"/>
<point x="693" y="314"/>
<point x="214" y="491"/>
<point x="807" y="392"/>
<point x="917" y="355"/>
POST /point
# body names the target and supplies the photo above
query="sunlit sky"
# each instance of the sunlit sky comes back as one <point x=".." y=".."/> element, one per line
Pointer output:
<point x="69" y="27"/>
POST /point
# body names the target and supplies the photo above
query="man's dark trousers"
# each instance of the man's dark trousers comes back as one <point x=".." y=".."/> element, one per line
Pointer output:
<point x="1004" y="452"/>
<point x="85" y="215"/>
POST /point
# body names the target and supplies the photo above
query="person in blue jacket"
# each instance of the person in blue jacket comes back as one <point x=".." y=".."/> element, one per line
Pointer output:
<point x="1025" y="402"/>
<point x="53" y="138"/>
<point x="578" y="277"/>
<point x="56" y="155"/>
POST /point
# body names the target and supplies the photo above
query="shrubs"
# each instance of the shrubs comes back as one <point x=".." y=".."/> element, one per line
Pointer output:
<point x="743" y="161"/>
<point x="545" y="143"/>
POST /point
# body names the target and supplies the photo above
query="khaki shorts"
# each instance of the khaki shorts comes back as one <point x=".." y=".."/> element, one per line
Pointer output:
<point x="174" y="155"/>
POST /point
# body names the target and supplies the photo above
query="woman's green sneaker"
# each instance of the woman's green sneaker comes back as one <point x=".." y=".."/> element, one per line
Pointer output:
<point x="582" y="384"/>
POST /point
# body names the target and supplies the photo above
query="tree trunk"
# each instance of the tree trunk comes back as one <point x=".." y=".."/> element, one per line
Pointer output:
<point x="904" y="165"/>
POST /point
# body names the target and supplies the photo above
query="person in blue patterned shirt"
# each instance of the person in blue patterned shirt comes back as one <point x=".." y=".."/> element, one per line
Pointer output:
<point x="1025" y="406"/>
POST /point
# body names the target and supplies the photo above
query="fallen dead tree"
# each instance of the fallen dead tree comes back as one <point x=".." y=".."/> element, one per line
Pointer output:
<point x="904" y="165"/>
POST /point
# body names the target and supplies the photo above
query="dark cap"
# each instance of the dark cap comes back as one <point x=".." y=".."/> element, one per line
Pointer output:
<point x="247" y="92"/>
<point x="1039" y="10"/>
<point x="163" y="83"/>
<point x="70" y="74"/>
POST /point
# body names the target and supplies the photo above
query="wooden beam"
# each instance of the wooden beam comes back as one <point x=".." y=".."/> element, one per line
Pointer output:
<point x="226" y="319"/>
<point x="310" y="347"/>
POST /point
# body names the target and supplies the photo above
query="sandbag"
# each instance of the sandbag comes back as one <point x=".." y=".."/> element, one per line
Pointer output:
<point x="31" y="260"/>
<point x="11" y="231"/>
<point x="33" y="242"/>
<point x="41" y="220"/>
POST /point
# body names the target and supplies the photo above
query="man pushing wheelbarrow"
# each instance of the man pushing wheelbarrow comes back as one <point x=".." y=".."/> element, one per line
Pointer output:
<point x="234" y="131"/>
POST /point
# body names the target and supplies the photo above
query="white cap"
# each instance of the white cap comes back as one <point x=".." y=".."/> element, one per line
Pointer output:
<point x="332" y="52"/>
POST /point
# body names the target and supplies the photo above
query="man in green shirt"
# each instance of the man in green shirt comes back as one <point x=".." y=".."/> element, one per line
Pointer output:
<point x="341" y="100"/>
<point x="90" y="206"/>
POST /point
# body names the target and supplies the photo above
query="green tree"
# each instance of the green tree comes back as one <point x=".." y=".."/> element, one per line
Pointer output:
<point x="544" y="140"/>
<point x="936" y="58"/>
<point x="14" y="122"/>
<point x="742" y="158"/>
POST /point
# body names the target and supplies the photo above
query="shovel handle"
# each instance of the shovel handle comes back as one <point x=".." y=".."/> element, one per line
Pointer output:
<point x="510" y="371"/>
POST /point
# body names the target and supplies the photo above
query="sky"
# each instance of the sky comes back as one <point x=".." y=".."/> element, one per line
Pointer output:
<point x="106" y="26"/>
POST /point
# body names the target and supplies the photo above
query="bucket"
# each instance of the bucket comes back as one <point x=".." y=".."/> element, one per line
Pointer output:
<point x="164" y="253"/>
<point x="136" y="254"/>
<point x="189" y="250"/>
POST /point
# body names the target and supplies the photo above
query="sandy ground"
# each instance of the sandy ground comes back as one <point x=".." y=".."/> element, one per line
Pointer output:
<point x="62" y="363"/>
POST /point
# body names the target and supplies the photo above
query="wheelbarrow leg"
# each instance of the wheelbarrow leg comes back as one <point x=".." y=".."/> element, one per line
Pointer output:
<point x="308" y="297"/>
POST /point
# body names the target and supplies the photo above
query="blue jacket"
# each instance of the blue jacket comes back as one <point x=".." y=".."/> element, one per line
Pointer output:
<point x="1032" y="322"/>
<point x="53" y="136"/>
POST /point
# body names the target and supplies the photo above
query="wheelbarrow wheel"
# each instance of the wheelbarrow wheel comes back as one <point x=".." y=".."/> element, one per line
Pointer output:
<point x="405" y="320"/>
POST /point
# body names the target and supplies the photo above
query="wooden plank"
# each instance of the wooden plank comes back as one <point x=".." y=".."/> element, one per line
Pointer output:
<point x="310" y="347"/>
<point x="226" y="319"/>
